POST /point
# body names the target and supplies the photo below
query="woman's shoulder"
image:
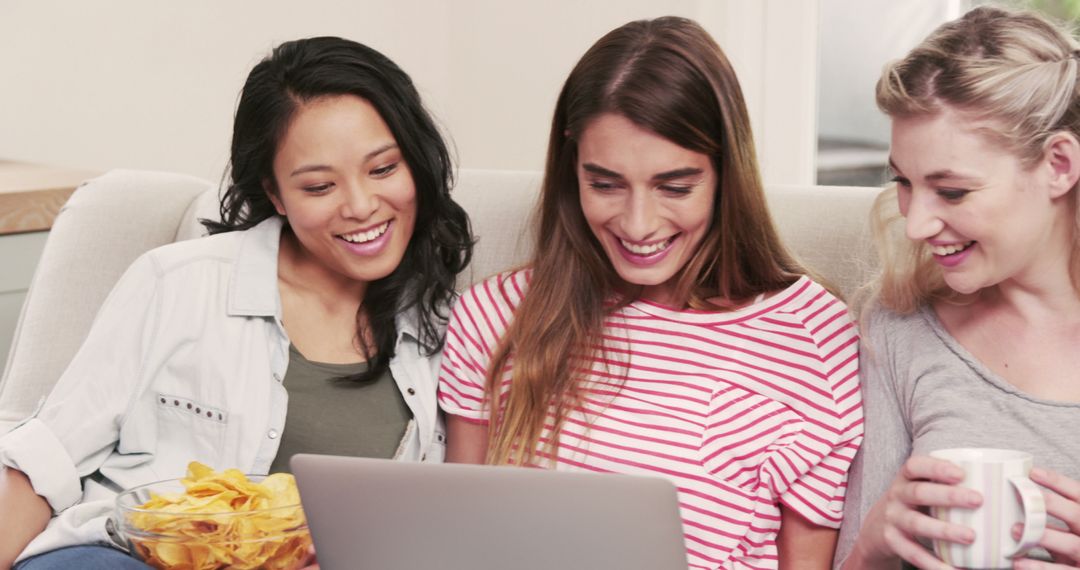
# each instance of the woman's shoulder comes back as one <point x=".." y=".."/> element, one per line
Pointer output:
<point x="879" y="322"/>
<point x="256" y="244"/>
<point x="805" y="299"/>
<point x="217" y="246"/>
<point x="501" y="291"/>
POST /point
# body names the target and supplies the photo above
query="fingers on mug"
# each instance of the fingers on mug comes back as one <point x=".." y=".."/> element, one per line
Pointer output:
<point x="1009" y="497"/>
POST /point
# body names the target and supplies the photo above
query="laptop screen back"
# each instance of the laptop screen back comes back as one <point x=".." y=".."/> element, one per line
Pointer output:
<point x="377" y="514"/>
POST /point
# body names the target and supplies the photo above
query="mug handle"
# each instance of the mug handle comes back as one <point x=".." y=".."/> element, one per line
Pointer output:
<point x="1034" y="505"/>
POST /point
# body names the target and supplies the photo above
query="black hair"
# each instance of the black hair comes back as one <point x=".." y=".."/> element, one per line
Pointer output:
<point x="303" y="70"/>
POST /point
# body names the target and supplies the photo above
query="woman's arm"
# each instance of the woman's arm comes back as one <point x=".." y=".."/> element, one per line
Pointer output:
<point x="466" y="442"/>
<point x="25" y="515"/>
<point x="76" y="428"/>
<point x="472" y="336"/>
<point x="802" y="544"/>
<point x="886" y="441"/>
<point x="889" y="492"/>
<point x="891" y="528"/>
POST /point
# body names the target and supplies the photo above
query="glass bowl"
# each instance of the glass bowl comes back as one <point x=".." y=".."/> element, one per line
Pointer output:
<point x="275" y="537"/>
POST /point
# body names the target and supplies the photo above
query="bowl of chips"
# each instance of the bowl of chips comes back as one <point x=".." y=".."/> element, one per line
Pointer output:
<point x="210" y="521"/>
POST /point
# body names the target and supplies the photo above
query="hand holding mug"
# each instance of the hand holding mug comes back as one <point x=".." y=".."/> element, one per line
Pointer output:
<point x="1062" y="502"/>
<point x="894" y="524"/>
<point x="1010" y="497"/>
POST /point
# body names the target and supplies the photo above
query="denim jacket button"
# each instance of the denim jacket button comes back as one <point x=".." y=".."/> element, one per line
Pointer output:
<point x="411" y="391"/>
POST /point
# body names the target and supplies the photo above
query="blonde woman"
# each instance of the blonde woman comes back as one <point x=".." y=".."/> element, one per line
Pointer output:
<point x="661" y="328"/>
<point x="973" y="338"/>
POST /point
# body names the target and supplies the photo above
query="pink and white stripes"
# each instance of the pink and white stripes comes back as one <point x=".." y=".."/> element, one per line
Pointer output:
<point x="743" y="410"/>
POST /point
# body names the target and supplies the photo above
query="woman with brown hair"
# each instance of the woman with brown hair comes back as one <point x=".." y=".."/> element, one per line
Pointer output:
<point x="661" y="328"/>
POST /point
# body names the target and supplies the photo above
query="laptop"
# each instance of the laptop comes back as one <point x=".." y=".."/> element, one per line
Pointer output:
<point x="380" y="514"/>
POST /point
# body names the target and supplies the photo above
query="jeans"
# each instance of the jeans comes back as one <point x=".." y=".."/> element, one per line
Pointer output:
<point x="84" y="557"/>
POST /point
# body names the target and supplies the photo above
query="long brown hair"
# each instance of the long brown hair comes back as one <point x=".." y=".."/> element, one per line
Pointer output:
<point x="668" y="76"/>
<point x="1015" y="72"/>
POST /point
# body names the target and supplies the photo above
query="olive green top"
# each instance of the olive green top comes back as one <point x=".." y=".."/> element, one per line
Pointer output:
<point x="374" y="411"/>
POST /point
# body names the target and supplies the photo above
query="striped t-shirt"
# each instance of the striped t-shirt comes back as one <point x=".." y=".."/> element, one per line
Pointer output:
<point x="742" y="410"/>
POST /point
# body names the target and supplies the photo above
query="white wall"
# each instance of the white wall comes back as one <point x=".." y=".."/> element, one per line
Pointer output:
<point x="152" y="84"/>
<point x="773" y="45"/>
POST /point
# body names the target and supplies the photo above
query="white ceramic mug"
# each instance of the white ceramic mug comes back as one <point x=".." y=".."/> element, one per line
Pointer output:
<point x="1009" y="497"/>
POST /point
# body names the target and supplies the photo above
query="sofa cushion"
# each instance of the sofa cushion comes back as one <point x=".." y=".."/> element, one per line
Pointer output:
<point x="499" y="203"/>
<point x="828" y="230"/>
<point x="113" y="219"/>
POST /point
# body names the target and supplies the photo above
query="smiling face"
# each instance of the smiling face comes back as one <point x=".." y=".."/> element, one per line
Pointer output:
<point x="342" y="183"/>
<point x="647" y="200"/>
<point x="985" y="217"/>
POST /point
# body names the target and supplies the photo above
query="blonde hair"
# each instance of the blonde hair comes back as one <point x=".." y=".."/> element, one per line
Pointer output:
<point x="1014" y="72"/>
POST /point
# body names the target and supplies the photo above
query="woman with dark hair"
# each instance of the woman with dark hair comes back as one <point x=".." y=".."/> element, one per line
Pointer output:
<point x="661" y="328"/>
<point x="321" y="299"/>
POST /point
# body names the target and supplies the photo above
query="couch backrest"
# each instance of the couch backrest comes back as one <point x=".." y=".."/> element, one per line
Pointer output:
<point x="828" y="230"/>
<point x="113" y="219"/>
<point x="500" y="204"/>
<point x="826" y="227"/>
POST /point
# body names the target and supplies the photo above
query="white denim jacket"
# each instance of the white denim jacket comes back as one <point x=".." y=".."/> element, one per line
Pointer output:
<point x="183" y="362"/>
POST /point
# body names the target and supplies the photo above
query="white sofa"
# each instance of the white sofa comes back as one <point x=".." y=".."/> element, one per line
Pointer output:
<point x="111" y="220"/>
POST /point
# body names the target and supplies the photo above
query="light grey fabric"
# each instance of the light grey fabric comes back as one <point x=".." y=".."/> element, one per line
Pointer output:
<point x="204" y="206"/>
<point x="828" y="230"/>
<point x="499" y="203"/>
<point x="923" y="391"/>
<point x="826" y="227"/>
<point x="114" y="218"/>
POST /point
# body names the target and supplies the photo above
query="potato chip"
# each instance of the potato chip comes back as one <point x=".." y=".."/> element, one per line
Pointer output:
<point x="222" y="520"/>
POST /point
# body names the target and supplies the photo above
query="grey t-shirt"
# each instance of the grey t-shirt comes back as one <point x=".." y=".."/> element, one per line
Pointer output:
<point x="335" y="417"/>
<point x="922" y="391"/>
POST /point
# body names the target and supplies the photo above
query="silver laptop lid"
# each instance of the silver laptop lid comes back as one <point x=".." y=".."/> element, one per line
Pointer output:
<point x="378" y="514"/>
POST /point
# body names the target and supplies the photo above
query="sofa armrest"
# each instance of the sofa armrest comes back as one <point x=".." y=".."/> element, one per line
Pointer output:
<point x="104" y="226"/>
